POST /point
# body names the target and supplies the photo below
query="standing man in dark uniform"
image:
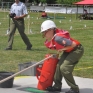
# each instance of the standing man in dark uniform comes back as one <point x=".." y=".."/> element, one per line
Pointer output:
<point x="17" y="13"/>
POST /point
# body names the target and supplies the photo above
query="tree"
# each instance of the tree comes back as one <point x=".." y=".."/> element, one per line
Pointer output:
<point x="66" y="1"/>
<point x="59" y="1"/>
<point x="51" y="1"/>
<point x="43" y="1"/>
<point x="47" y="1"/>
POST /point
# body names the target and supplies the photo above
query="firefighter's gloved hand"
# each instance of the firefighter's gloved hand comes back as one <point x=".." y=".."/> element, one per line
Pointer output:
<point x="55" y="55"/>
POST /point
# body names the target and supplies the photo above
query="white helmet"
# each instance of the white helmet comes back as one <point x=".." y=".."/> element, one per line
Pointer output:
<point x="47" y="25"/>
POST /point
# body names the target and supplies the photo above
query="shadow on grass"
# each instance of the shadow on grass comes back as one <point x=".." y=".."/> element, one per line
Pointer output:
<point x="33" y="49"/>
<point x="37" y="49"/>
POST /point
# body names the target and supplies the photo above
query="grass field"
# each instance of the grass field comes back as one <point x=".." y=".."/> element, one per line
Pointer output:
<point x="81" y="30"/>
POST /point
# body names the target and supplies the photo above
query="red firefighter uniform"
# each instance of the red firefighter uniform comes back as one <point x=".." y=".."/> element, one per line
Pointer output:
<point x="54" y="45"/>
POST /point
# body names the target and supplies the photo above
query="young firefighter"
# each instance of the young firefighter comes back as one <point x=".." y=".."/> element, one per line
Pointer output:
<point x="72" y="52"/>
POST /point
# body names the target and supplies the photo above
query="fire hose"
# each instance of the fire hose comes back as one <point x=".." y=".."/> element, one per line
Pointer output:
<point x="5" y="79"/>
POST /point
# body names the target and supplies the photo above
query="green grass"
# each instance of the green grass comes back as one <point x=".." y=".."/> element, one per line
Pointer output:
<point x="9" y="60"/>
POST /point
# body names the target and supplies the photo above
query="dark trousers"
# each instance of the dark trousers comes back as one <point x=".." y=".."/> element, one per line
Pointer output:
<point x="19" y="24"/>
<point x="65" y="67"/>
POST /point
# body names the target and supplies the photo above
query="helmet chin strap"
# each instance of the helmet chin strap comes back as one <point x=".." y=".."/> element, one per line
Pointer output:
<point x="54" y="31"/>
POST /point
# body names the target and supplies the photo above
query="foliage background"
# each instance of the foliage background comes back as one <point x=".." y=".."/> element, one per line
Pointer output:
<point x="46" y="1"/>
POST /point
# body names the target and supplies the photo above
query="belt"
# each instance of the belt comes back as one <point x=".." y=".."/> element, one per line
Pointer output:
<point x="77" y="47"/>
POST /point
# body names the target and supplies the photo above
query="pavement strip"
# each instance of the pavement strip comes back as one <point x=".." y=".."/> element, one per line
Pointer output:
<point x="85" y="85"/>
